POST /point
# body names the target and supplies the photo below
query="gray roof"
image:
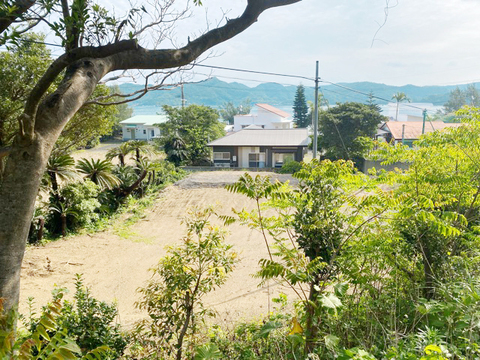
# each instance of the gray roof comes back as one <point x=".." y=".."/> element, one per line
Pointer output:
<point x="275" y="137"/>
<point x="145" y="119"/>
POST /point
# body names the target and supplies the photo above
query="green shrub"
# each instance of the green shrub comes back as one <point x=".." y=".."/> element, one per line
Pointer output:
<point x="290" y="167"/>
<point x="87" y="321"/>
<point x="48" y="339"/>
<point x="77" y="204"/>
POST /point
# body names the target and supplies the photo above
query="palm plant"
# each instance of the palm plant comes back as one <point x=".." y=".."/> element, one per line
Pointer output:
<point x="63" y="210"/>
<point x="399" y="97"/>
<point x="140" y="148"/>
<point x="176" y="149"/>
<point x="60" y="167"/>
<point x="120" y="151"/>
<point x="99" y="172"/>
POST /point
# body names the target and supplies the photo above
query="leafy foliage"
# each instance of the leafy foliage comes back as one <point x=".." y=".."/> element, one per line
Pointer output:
<point x="89" y="322"/>
<point x="228" y="110"/>
<point x="189" y="129"/>
<point x="173" y="297"/>
<point x="78" y="207"/>
<point x="459" y="98"/>
<point x="342" y="128"/>
<point x="99" y="172"/>
<point x="290" y="167"/>
<point x="46" y="340"/>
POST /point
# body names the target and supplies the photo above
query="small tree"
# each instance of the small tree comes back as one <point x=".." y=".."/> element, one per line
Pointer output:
<point x="173" y="297"/>
<point x="196" y="125"/>
<point x="459" y="98"/>
<point x="342" y="128"/>
<point x="300" y="108"/>
<point x="228" y="110"/>
<point x="399" y="97"/>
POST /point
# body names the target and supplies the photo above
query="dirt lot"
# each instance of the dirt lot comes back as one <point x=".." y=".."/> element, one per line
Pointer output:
<point x="116" y="262"/>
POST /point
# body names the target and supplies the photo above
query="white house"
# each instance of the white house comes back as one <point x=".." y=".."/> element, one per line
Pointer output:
<point x="254" y="147"/>
<point x="142" y="127"/>
<point x="267" y="117"/>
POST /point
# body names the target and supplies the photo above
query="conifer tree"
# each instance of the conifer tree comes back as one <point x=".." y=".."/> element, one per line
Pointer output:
<point x="300" y="108"/>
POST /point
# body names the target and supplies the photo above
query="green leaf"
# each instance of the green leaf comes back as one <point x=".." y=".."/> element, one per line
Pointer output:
<point x="268" y="328"/>
<point x="331" y="341"/>
<point x="330" y="301"/>
<point x="432" y="349"/>
<point x="41" y="330"/>
<point x="209" y="351"/>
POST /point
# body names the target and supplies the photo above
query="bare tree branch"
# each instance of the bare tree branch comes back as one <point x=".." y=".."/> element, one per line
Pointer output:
<point x="141" y="58"/>
<point x="27" y="122"/>
<point x="380" y="26"/>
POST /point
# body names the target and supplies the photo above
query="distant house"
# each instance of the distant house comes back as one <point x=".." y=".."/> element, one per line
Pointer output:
<point x="142" y="127"/>
<point x="409" y="131"/>
<point x="254" y="147"/>
<point x="266" y="117"/>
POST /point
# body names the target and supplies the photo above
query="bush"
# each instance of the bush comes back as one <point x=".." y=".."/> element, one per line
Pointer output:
<point x="87" y="321"/>
<point x="76" y="206"/>
<point x="290" y="167"/>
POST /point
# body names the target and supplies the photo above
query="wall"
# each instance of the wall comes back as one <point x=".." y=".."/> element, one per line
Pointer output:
<point x="139" y="132"/>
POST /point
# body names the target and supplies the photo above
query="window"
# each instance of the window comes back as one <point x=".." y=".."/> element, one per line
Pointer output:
<point x="221" y="156"/>
<point x="152" y="133"/>
<point x="256" y="160"/>
<point x="144" y="132"/>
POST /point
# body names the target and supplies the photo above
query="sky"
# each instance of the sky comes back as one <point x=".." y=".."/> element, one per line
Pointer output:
<point x="427" y="42"/>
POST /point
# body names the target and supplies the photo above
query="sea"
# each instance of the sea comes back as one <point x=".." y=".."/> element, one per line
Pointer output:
<point x="389" y="110"/>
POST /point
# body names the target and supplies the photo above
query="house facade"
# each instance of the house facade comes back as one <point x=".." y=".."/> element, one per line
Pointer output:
<point x="267" y="117"/>
<point x="142" y="127"/>
<point x="254" y="147"/>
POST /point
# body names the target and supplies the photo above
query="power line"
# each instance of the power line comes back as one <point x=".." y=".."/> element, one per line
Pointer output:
<point x="306" y="78"/>
<point x="361" y="92"/>
<point x="255" y="72"/>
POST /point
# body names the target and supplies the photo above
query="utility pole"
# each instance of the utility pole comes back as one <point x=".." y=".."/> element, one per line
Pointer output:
<point x="403" y="134"/>
<point x="315" y="117"/>
<point x="183" y="96"/>
<point x="424" y="119"/>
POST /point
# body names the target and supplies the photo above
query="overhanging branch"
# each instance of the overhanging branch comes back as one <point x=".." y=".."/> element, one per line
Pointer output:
<point x="21" y="7"/>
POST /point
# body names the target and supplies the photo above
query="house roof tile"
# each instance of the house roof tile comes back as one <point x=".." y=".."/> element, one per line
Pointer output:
<point x="261" y="137"/>
<point x="413" y="129"/>
<point x="274" y="110"/>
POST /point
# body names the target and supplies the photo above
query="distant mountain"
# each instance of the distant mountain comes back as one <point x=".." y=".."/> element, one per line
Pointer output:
<point x="214" y="92"/>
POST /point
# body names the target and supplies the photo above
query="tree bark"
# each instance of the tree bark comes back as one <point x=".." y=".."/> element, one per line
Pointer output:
<point x="25" y="166"/>
<point x="44" y="119"/>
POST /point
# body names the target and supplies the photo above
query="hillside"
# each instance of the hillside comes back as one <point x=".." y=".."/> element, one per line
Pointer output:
<point x="214" y="92"/>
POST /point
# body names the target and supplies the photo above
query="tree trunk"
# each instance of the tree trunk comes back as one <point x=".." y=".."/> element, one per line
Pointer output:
<point x="135" y="185"/>
<point x="25" y="167"/>
<point x="429" y="282"/>
<point x="63" y="219"/>
<point x="311" y="329"/>
<point x="18" y="191"/>
<point x="41" y="226"/>
<point x="189" y="306"/>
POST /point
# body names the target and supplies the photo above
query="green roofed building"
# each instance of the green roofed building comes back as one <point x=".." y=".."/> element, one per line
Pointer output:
<point x="142" y="127"/>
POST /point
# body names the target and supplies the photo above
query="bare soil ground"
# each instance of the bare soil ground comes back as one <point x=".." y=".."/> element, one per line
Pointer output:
<point x="116" y="262"/>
